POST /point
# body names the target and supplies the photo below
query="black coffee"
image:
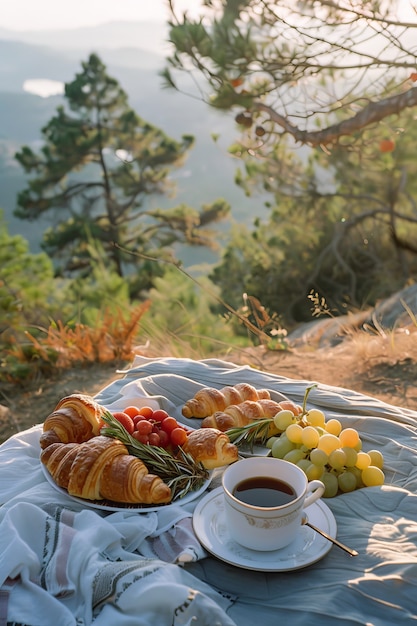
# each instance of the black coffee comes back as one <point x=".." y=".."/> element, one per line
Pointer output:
<point x="264" y="491"/>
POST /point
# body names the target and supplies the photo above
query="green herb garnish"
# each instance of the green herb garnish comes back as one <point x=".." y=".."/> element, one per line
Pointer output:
<point x="182" y="474"/>
<point x="257" y="432"/>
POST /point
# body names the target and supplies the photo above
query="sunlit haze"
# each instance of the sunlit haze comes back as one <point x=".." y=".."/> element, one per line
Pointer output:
<point x="52" y="15"/>
<point x="23" y="15"/>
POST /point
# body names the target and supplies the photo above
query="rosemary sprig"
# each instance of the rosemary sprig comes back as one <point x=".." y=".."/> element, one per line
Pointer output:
<point x="182" y="474"/>
<point x="257" y="432"/>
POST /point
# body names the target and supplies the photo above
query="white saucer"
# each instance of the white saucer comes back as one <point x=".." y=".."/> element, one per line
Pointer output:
<point x="143" y="508"/>
<point x="309" y="547"/>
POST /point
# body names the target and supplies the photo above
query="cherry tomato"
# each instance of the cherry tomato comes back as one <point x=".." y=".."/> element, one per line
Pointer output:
<point x="125" y="421"/>
<point x="140" y="437"/>
<point x="144" y="427"/>
<point x="159" y="415"/>
<point x="163" y="439"/>
<point x="154" y="439"/>
<point x="169" y="423"/>
<point x="178" y="436"/>
<point x="132" y="411"/>
<point x="146" y="411"/>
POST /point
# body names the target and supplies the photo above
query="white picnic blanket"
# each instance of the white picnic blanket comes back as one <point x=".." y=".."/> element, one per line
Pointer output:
<point x="73" y="565"/>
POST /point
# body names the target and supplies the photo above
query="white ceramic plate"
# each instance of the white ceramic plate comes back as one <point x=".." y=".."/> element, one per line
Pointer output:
<point x="309" y="547"/>
<point x="108" y="506"/>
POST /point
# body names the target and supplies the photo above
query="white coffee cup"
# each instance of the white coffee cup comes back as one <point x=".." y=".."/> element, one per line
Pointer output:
<point x="257" y="525"/>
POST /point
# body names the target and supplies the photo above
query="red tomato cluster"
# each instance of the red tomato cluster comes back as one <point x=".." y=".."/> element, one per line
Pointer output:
<point x="152" y="427"/>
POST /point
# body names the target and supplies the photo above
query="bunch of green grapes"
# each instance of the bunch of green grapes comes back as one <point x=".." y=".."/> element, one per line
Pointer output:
<point x="326" y="451"/>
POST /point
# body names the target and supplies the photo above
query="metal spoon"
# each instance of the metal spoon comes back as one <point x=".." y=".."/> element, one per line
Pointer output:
<point x="337" y="543"/>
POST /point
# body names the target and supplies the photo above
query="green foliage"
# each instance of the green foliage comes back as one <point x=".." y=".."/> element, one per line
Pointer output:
<point x="98" y="166"/>
<point x="295" y="67"/>
<point x="342" y="224"/>
<point x="102" y="289"/>
<point x="184" y="318"/>
<point x="49" y="324"/>
<point x="28" y="293"/>
<point x="29" y="298"/>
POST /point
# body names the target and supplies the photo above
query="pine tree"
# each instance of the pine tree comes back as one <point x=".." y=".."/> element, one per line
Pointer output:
<point x="99" y="164"/>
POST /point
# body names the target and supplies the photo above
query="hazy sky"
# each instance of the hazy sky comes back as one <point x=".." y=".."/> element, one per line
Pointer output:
<point x="57" y="14"/>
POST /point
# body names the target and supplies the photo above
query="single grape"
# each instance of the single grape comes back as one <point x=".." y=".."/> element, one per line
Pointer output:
<point x="314" y="472"/>
<point x="372" y="476"/>
<point x="331" y="485"/>
<point x="310" y="437"/>
<point x="328" y="443"/>
<point x="315" y="417"/>
<point x="347" y="481"/>
<point x="271" y="441"/>
<point x="293" y="456"/>
<point x="281" y="447"/>
<point x="358" y="475"/>
<point x="294" y="433"/>
<point x="337" y="459"/>
<point x="363" y="460"/>
<point x="377" y="458"/>
<point x="333" y="426"/>
<point x="304" y="464"/>
<point x="318" y="457"/>
<point x="283" y="419"/>
<point x="351" y="456"/>
<point x="349" y="437"/>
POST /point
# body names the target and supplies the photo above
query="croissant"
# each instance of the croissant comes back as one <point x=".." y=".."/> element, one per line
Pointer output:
<point x="242" y="414"/>
<point x="102" y="469"/>
<point x="208" y="400"/>
<point x="210" y="447"/>
<point x="76" y="418"/>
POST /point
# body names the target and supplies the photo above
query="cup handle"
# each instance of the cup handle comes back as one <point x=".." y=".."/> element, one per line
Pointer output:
<point x="315" y="490"/>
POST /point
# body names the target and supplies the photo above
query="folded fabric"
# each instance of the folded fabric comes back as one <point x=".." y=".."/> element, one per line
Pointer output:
<point x="120" y="568"/>
<point x="178" y="544"/>
<point x="74" y="568"/>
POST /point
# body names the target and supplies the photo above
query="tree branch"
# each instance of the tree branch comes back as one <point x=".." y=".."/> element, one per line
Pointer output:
<point x="372" y="113"/>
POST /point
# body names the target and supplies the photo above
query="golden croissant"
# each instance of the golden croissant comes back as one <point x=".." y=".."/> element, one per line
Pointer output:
<point x="209" y="400"/>
<point x="102" y="469"/>
<point x="242" y="414"/>
<point x="76" y="418"/>
<point x="211" y="447"/>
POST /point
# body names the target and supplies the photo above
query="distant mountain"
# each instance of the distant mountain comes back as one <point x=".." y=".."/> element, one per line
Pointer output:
<point x="20" y="61"/>
<point x="150" y="36"/>
<point x="23" y="115"/>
